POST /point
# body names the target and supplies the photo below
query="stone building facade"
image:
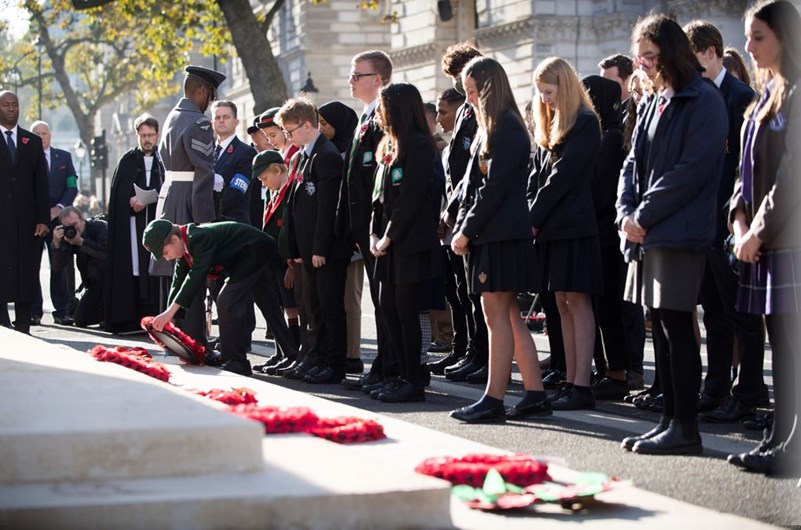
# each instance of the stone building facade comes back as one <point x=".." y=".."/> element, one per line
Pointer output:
<point x="320" y="39"/>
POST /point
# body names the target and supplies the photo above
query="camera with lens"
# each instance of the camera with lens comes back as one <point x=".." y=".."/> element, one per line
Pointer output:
<point x="70" y="231"/>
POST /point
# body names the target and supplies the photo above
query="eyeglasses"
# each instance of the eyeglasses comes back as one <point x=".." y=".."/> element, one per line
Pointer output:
<point x="647" y="59"/>
<point x="288" y="132"/>
<point x="355" y="76"/>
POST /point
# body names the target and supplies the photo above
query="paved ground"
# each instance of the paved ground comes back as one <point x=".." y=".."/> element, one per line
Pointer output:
<point x="583" y="440"/>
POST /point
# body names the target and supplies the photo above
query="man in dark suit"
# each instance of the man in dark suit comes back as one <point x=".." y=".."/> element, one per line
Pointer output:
<point x="63" y="187"/>
<point x="232" y="162"/>
<point x="23" y="213"/>
<point x="370" y="72"/>
<point x="313" y="242"/>
<point x="719" y="401"/>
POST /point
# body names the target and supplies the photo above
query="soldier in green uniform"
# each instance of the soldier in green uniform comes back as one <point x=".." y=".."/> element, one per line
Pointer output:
<point x="240" y="251"/>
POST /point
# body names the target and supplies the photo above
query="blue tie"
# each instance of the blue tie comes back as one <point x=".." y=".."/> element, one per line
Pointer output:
<point x="217" y="152"/>
<point x="12" y="148"/>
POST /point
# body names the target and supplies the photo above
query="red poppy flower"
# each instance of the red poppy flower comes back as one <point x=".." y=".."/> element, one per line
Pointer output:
<point x="230" y="149"/>
<point x="25" y="140"/>
<point x="520" y="469"/>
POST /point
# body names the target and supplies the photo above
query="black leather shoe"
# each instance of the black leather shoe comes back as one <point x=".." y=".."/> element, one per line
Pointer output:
<point x="760" y="423"/>
<point x="213" y="358"/>
<point x="372" y="386"/>
<point x="643" y="394"/>
<point x="554" y="380"/>
<point x="608" y="389"/>
<point x="63" y="321"/>
<point x="737" y="459"/>
<point x="357" y="384"/>
<point x="661" y="427"/>
<point x="472" y="414"/>
<point x="354" y="366"/>
<point x="237" y="367"/>
<point x="271" y="361"/>
<point x="438" y="367"/>
<point x="707" y="403"/>
<point x="404" y="392"/>
<point x="462" y="373"/>
<point x="654" y="404"/>
<point x="459" y="364"/>
<point x="680" y="438"/>
<point x="536" y="409"/>
<point x="479" y="376"/>
<point x="560" y="392"/>
<point x="300" y="371"/>
<point x="732" y="410"/>
<point x="775" y="462"/>
<point x="386" y="386"/>
<point x="284" y="363"/>
<point x="36" y="321"/>
<point x="574" y="400"/>
<point x="325" y="376"/>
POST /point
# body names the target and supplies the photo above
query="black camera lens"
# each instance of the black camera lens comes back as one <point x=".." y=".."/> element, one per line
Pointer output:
<point x="70" y="231"/>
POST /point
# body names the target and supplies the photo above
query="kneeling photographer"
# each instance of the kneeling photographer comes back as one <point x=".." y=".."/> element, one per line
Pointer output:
<point x="87" y="241"/>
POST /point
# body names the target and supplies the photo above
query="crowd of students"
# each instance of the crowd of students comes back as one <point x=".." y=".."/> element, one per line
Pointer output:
<point x="636" y="192"/>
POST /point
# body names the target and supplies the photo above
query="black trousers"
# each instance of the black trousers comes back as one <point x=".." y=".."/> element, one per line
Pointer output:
<point x="22" y="316"/>
<point x="479" y="340"/>
<point x="723" y="323"/>
<point x="62" y="283"/>
<point x="193" y="322"/>
<point x="554" y="323"/>
<point x="232" y="305"/>
<point x="464" y="325"/>
<point x="784" y="336"/>
<point x="678" y="362"/>
<point x="385" y="362"/>
<point x="325" y="299"/>
<point x="400" y="305"/>
<point x="90" y="309"/>
<point x="634" y="326"/>
<point x="612" y="349"/>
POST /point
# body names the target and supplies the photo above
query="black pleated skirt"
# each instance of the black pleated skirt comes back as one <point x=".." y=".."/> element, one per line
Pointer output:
<point x="503" y="266"/>
<point x="570" y="265"/>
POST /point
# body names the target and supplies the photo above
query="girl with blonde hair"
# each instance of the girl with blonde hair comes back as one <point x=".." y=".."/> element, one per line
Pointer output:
<point x="562" y="216"/>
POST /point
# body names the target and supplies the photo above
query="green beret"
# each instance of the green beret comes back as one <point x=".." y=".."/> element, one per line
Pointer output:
<point x="264" y="159"/>
<point x="267" y="118"/>
<point x="155" y="235"/>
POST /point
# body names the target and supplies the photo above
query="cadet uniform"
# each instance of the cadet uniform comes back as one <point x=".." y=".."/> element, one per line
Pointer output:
<point x="241" y="252"/>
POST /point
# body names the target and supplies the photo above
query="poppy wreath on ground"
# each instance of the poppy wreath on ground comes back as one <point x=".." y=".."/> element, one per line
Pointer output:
<point x="472" y="469"/>
<point x="134" y="358"/>
<point x="348" y="430"/>
<point x="277" y="420"/>
<point x="344" y="430"/>
<point x="197" y="350"/>
<point x="235" y="396"/>
<point x="496" y="494"/>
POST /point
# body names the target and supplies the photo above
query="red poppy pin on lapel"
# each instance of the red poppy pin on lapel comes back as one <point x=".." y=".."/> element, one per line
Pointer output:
<point x="25" y="140"/>
<point x="230" y="149"/>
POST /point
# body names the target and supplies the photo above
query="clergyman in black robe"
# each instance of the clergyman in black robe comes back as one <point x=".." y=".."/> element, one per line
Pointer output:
<point x="131" y="292"/>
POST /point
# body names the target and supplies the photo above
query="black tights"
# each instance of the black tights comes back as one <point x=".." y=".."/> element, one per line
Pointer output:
<point x="400" y="307"/>
<point x="783" y="335"/>
<point x="678" y="362"/>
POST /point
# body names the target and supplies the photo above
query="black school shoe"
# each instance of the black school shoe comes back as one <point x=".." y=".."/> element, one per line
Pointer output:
<point x="574" y="400"/>
<point x="532" y="410"/>
<point x="474" y="414"/>
<point x="404" y="392"/>
<point x="237" y="367"/>
<point x="608" y="389"/>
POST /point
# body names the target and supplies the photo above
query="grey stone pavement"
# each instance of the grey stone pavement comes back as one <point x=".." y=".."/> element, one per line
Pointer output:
<point x="581" y="440"/>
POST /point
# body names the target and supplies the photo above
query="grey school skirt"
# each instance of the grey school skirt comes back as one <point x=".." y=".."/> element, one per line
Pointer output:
<point x="666" y="278"/>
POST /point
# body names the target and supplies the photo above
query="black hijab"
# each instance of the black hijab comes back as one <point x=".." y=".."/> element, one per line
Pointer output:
<point x="605" y="95"/>
<point x="344" y="121"/>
